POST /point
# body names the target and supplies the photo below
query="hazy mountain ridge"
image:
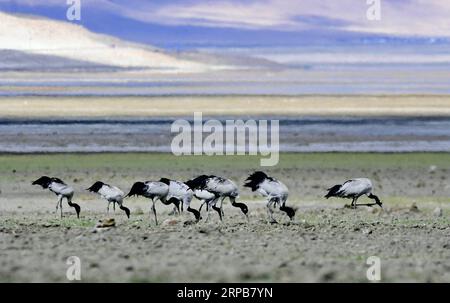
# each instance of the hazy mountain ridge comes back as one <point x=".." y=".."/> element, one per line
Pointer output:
<point x="61" y="40"/>
<point x="12" y="60"/>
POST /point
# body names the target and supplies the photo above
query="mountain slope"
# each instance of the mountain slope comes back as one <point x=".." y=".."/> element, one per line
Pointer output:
<point x="39" y="36"/>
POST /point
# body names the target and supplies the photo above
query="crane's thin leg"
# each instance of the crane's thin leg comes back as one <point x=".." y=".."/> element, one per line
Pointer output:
<point x="114" y="206"/>
<point x="270" y="211"/>
<point x="221" y="205"/>
<point x="207" y="214"/>
<point x="353" y="205"/>
<point x="217" y="209"/>
<point x="107" y="208"/>
<point x="212" y="205"/>
<point x="154" y="212"/>
<point x="60" y="206"/>
<point x="356" y="199"/>
<point x="57" y="204"/>
<point x="150" y="213"/>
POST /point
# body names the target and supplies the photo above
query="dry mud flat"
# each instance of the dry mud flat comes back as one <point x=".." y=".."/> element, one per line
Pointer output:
<point x="323" y="244"/>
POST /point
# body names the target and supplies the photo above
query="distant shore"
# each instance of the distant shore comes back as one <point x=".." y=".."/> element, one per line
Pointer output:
<point x="316" y="105"/>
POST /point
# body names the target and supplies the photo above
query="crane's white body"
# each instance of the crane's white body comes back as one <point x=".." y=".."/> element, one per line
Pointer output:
<point x="111" y="193"/>
<point x="355" y="188"/>
<point x="180" y="191"/>
<point x="61" y="190"/>
<point x="222" y="187"/>
<point x="155" y="190"/>
<point x="274" y="190"/>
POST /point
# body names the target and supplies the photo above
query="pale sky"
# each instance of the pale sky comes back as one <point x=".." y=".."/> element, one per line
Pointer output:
<point x="410" y="18"/>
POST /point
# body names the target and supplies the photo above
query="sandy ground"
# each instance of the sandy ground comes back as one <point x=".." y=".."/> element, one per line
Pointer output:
<point x="326" y="242"/>
<point x="405" y="105"/>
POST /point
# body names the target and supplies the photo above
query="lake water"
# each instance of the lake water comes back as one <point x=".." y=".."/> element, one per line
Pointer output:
<point x="305" y="134"/>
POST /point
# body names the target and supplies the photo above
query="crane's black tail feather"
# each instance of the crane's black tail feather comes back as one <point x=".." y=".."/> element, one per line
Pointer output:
<point x="332" y="191"/>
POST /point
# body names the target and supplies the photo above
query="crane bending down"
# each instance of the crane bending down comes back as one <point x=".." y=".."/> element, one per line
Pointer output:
<point x="275" y="192"/>
<point x="154" y="190"/>
<point x="111" y="194"/>
<point x="212" y="188"/>
<point x="59" y="188"/>
<point x="353" y="189"/>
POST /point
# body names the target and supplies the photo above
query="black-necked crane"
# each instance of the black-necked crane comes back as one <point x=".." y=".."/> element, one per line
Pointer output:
<point x="154" y="190"/>
<point x="275" y="192"/>
<point x="60" y="189"/>
<point x="221" y="188"/>
<point x="111" y="194"/>
<point x="353" y="189"/>
<point x="183" y="193"/>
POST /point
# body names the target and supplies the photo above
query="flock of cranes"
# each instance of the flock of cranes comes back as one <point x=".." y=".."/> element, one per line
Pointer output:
<point x="210" y="190"/>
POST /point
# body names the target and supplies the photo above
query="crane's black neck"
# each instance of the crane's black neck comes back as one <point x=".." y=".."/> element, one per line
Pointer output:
<point x="126" y="210"/>
<point x="242" y="206"/>
<point x="377" y="200"/>
<point x="195" y="212"/>
<point x="76" y="206"/>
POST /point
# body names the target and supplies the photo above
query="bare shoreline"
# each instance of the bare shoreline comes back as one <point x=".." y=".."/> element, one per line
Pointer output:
<point x="240" y="105"/>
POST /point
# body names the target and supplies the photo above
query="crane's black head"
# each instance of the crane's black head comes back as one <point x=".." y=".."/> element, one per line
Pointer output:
<point x="43" y="181"/>
<point x="137" y="189"/>
<point x="377" y="200"/>
<point x="290" y="212"/>
<point x="255" y="179"/>
<point x="96" y="187"/>
<point x="242" y="206"/>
